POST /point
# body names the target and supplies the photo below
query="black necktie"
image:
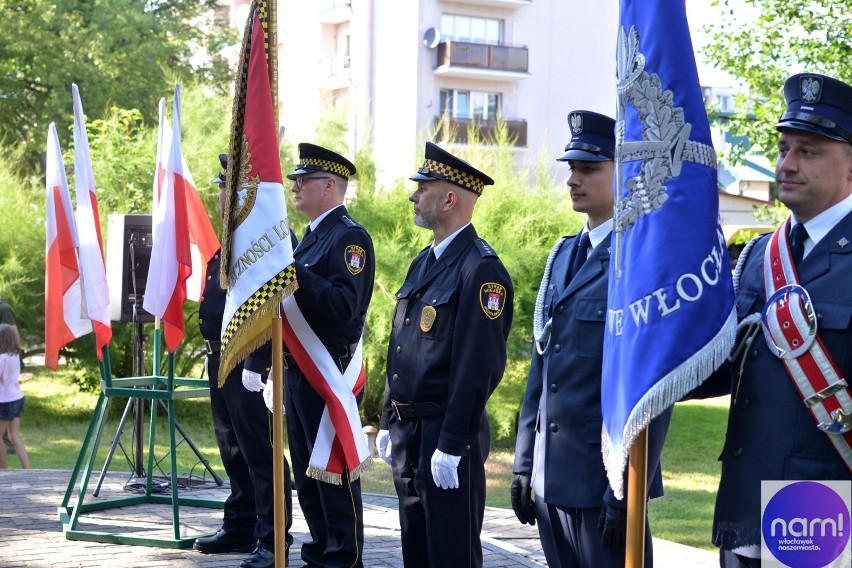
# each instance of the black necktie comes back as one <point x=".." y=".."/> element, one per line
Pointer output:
<point x="307" y="232"/>
<point x="797" y="242"/>
<point x="580" y="253"/>
<point x="430" y="259"/>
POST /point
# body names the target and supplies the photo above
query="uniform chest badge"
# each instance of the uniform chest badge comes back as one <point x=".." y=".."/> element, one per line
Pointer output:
<point x="492" y="298"/>
<point x="427" y="318"/>
<point x="355" y="257"/>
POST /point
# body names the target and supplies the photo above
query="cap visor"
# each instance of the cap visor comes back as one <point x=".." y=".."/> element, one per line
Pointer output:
<point x="808" y="127"/>
<point x="422" y="177"/>
<point x="218" y="180"/>
<point x="581" y="156"/>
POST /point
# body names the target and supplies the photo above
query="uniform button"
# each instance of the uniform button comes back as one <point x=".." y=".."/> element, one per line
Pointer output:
<point x="200" y="321"/>
<point x="745" y="403"/>
<point x="209" y="277"/>
<point x="399" y="348"/>
<point x="557" y="348"/>
<point x="407" y="321"/>
<point x="554" y="427"/>
<point x="201" y="300"/>
<point x="754" y="354"/>
<point x="467" y="448"/>
<point x="738" y="452"/>
<point x="560" y="309"/>
<point x="399" y="295"/>
<point x="395" y="377"/>
<point x="434" y="300"/>
<point x="554" y="388"/>
<point x="600" y="312"/>
<point x="417" y="296"/>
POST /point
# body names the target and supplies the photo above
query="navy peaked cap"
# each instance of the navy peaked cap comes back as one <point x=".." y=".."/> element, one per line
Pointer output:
<point x="592" y="137"/>
<point x="440" y="165"/>
<point x="222" y="178"/>
<point x="819" y="104"/>
<point x="313" y="158"/>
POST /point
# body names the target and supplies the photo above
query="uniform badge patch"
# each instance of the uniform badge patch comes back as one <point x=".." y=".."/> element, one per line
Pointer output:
<point x="427" y="318"/>
<point x="355" y="257"/>
<point x="492" y="298"/>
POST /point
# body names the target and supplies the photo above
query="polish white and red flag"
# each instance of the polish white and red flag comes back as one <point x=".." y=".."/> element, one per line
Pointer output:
<point x="95" y="292"/>
<point x="171" y="259"/>
<point x="203" y="242"/>
<point x="63" y="318"/>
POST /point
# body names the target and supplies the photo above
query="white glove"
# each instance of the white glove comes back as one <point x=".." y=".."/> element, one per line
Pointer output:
<point x="267" y="395"/>
<point x="252" y="381"/>
<point x="384" y="442"/>
<point x="445" y="470"/>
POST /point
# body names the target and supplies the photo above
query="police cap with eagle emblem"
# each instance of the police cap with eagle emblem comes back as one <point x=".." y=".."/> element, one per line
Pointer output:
<point x="440" y="165"/>
<point x="819" y="104"/>
<point x="313" y="158"/>
<point x="592" y="137"/>
<point x="222" y="177"/>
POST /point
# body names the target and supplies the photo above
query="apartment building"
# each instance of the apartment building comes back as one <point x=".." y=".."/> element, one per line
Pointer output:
<point x="393" y="69"/>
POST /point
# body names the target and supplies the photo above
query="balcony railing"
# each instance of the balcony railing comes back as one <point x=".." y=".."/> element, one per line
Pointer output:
<point x="486" y="129"/>
<point x="483" y="56"/>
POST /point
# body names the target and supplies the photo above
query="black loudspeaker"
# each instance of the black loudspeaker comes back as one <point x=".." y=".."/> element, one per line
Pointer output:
<point x="129" y="243"/>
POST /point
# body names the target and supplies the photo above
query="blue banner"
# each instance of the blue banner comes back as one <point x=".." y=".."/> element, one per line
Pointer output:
<point x="671" y="318"/>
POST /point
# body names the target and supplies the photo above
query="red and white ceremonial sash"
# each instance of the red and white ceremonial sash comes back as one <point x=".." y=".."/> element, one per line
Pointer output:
<point x="340" y="444"/>
<point x="790" y="329"/>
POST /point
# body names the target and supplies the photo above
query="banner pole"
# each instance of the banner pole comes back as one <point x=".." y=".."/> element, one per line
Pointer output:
<point x="637" y="500"/>
<point x="278" y="440"/>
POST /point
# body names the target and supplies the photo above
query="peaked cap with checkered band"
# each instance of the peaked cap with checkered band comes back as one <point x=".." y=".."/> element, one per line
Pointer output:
<point x="819" y="104"/>
<point x="313" y="158"/>
<point x="441" y="165"/>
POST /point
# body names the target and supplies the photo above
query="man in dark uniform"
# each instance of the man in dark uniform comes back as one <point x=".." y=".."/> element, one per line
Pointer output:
<point x="447" y="354"/>
<point x="335" y="268"/>
<point x="241" y="424"/>
<point x="558" y="446"/>
<point x="772" y="434"/>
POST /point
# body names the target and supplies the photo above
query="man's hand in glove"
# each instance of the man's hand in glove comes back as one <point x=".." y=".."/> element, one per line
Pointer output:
<point x="267" y="394"/>
<point x="522" y="501"/>
<point x="613" y="526"/>
<point x="445" y="470"/>
<point x="384" y="442"/>
<point x="252" y="381"/>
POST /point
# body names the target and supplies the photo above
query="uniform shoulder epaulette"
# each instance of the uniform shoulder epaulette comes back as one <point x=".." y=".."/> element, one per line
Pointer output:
<point x="484" y="248"/>
<point x="349" y="221"/>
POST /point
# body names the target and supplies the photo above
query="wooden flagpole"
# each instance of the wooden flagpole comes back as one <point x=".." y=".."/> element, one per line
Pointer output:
<point x="637" y="500"/>
<point x="278" y="440"/>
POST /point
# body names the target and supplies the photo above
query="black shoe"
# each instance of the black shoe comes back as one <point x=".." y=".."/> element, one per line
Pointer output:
<point x="260" y="558"/>
<point x="221" y="542"/>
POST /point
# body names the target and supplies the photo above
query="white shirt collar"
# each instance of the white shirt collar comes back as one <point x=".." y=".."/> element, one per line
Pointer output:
<point x="819" y="226"/>
<point x="315" y="223"/>
<point x="599" y="233"/>
<point x="439" y="249"/>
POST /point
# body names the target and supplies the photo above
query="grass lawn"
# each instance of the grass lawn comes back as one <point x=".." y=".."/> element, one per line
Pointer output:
<point x="56" y="417"/>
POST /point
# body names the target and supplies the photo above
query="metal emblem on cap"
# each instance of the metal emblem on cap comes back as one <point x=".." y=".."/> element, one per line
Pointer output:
<point x="811" y="89"/>
<point x="576" y="122"/>
<point x="427" y="318"/>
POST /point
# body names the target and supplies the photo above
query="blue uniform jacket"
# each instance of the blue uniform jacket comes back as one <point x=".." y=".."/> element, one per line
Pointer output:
<point x="570" y="370"/>
<point x="771" y="435"/>
<point x="335" y="268"/>
<point x="459" y="357"/>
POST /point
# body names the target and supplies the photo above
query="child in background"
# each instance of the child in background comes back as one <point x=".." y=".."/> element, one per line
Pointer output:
<point x="11" y="395"/>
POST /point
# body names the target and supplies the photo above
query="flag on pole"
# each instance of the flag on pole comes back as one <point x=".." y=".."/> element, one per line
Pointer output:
<point x="671" y="319"/>
<point x="92" y="269"/>
<point x="171" y="260"/>
<point x="63" y="320"/>
<point x="203" y="242"/>
<point x="257" y="255"/>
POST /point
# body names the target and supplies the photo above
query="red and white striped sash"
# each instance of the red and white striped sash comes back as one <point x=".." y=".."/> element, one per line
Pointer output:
<point x="340" y="444"/>
<point x="790" y="329"/>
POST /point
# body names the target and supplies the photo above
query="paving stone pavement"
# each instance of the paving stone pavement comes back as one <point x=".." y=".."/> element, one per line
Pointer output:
<point x="31" y="534"/>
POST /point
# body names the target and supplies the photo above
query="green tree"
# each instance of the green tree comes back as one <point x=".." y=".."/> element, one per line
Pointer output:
<point x="762" y="45"/>
<point x="119" y="52"/>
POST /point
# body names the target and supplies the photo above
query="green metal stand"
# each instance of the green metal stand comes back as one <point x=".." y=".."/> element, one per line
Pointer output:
<point x="154" y="387"/>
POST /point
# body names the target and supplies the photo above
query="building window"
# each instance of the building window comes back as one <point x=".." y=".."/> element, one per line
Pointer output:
<point x="474" y="30"/>
<point x="469" y="104"/>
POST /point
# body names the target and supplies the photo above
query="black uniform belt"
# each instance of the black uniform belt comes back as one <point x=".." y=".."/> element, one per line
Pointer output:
<point x="212" y="347"/>
<point x="408" y="410"/>
<point x="336" y="351"/>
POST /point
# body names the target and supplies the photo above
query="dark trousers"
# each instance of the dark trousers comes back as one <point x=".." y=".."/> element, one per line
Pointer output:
<point x="727" y="559"/>
<point x="440" y="527"/>
<point x="570" y="538"/>
<point x="334" y="513"/>
<point x="241" y="424"/>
